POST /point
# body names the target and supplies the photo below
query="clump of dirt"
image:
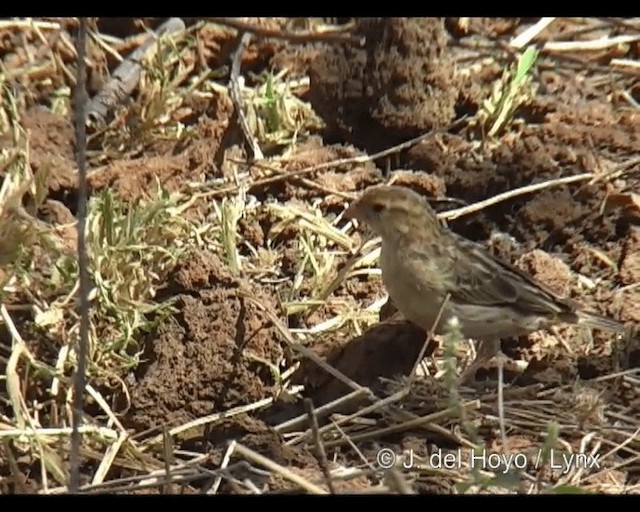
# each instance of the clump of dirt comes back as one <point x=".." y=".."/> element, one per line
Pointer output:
<point x="52" y="151"/>
<point x="398" y="86"/>
<point x="386" y="350"/>
<point x="171" y="164"/>
<point x="546" y="269"/>
<point x="259" y="437"/>
<point x="212" y="355"/>
<point x="428" y="185"/>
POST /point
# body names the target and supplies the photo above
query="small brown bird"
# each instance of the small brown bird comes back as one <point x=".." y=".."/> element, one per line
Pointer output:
<point x="422" y="262"/>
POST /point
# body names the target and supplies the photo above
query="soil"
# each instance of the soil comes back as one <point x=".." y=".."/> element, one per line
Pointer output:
<point x="218" y="351"/>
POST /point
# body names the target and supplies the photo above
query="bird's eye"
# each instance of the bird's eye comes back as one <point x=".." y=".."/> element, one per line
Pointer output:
<point x="377" y="207"/>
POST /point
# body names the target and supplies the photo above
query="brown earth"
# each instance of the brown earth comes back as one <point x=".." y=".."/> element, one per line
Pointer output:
<point x="219" y="350"/>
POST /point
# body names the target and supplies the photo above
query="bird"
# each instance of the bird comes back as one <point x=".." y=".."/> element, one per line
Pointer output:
<point x="423" y="262"/>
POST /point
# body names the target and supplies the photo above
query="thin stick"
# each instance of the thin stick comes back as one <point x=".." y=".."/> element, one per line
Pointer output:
<point x="335" y="163"/>
<point x="304" y="351"/>
<point x="325" y="409"/>
<point x="81" y="143"/>
<point x="354" y="447"/>
<point x="234" y="89"/>
<point x="503" y="430"/>
<point x="524" y="38"/>
<point x="634" y="64"/>
<point x="29" y="23"/>
<point x="126" y="76"/>
<point x="510" y="194"/>
<point x="616" y="449"/>
<point x="361" y="412"/>
<point x="223" y="466"/>
<point x="430" y="335"/>
<point x="211" y="418"/>
<point x="255" y="457"/>
<point x="628" y="25"/>
<point x="414" y="422"/>
<point x="595" y="44"/>
<point x="302" y="36"/>
<point x="63" y="432"/>
<point x="167" y="448"/>
<point x="321" y="454"/>
<point x="107" y="460"/>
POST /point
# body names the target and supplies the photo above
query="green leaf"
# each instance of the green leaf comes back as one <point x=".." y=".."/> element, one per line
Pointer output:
<point x="525" y="63"/>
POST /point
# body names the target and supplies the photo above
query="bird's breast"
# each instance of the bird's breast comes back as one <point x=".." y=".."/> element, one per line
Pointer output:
<point x="415" y="287"/>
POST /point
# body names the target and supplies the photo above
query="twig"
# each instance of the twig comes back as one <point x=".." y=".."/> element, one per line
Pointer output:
<point x="336" y="163"/>
<point x="223" y="466"/>
<point x="29" y="23"/>
<point x="414" y="422"/>
<point x="630" y="99"/>
<point x="236" y="98"/>
<point x="304" y="351"/>
<point x="510" y="194"/>
<point x="455" y="437"/>
<point x="430" y="335"/>
<point x="503" y="430"/>
<point x="255" y="457"/>
<point x="182" y="474"/>
<point x="622" y="23"/>
<point x="616" y="449"/>
<point x="167" y="448"/>
<point x="361" y="412"/>
<point x="526" y="36"/>
<point x="615" y="375"/>
<point x="301" y="36"/>
<point x="595" y="44"/>
<point x="354" y="447"/>
<point x="321" y="455"/>
<point x="126" y="76"/>
<point x="210" y="419"/>
<point x="105" y="407"/>
<point x="107" y="460"/>
<point x="304" y="181"/>
<point x="35" y="432"/>
<point x="320" y="411"/>
<point x="629" y="63"/>
<point x="83" y="271"/>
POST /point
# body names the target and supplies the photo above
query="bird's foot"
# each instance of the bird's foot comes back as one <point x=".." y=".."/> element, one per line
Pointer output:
<point x="468" y="376"/>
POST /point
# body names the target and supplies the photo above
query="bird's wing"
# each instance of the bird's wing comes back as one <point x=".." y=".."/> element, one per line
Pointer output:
<point x="482" y="279"/>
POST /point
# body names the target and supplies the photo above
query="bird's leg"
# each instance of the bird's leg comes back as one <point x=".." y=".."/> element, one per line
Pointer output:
<point x="487" y="349"/>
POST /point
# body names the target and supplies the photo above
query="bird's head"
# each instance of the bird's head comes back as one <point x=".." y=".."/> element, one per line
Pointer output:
<point x="393" y="212"/>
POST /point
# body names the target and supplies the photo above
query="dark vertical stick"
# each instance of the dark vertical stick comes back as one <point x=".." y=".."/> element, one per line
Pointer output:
<point x="321" y="454"/>
<point x="81" y="143"/>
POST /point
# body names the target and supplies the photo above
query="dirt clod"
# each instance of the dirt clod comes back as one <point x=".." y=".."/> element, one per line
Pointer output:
<point x="395" y="88"/>
<point x="208" y="357"/>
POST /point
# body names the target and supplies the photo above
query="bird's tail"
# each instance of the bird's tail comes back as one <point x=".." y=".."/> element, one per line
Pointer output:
<point x="595" y="321"/>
